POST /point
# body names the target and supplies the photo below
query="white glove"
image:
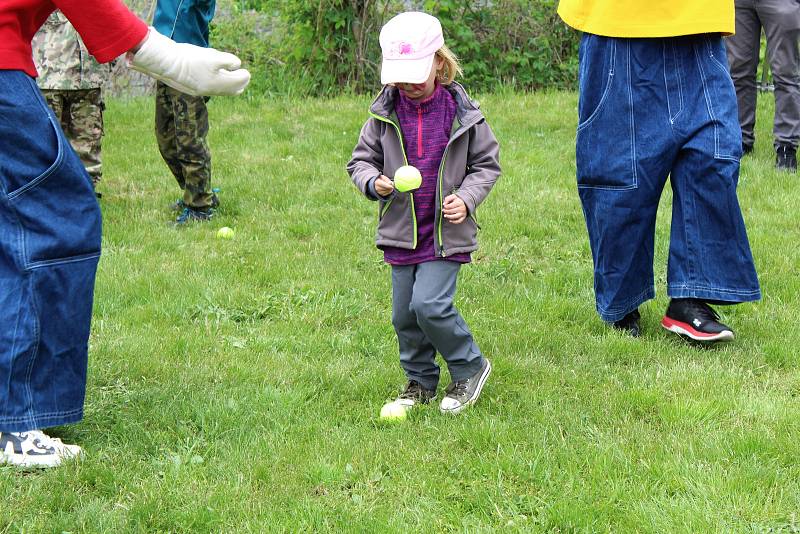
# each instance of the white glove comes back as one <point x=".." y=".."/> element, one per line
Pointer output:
<point x="188" y="68"/>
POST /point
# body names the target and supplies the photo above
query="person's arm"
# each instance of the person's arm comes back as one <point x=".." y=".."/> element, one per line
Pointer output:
<point x="366" y="165"/>
<point x="483" y="166"/>
<point x="109" y="29"/>
<point x="191" y="69"/>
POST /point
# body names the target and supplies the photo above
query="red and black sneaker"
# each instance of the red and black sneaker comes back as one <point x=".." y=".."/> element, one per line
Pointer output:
<point x="695" y="319"/>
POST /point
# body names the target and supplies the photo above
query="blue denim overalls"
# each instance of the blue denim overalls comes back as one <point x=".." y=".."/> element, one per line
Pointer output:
<point x="49" y="249"/>
<point x="651" y="109"/>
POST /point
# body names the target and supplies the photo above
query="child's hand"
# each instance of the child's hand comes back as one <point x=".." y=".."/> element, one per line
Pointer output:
<point x="454" y="210"/>
<point x="383" y="185"/>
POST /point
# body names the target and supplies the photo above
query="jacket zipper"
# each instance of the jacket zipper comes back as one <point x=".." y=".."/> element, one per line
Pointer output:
<point x="455" y="136"/>
<point x="405" y="161"/>
<point x="419" y="132"/>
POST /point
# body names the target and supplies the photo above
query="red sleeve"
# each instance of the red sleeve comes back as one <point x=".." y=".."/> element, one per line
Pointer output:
<point x="108" y="27"/>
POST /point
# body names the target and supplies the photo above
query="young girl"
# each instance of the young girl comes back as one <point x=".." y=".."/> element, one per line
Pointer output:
<point x="424" y="119"/>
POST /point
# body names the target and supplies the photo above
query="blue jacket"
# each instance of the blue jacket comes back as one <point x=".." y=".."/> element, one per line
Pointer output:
<point x="184" y="21"/>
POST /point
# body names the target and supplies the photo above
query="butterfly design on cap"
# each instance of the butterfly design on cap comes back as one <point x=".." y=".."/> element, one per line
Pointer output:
<point x="402" y="48"/>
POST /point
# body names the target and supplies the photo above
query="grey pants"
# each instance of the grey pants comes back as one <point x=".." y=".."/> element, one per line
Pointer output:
<point x="781" y="22"/>
<point x="426" y="321"/>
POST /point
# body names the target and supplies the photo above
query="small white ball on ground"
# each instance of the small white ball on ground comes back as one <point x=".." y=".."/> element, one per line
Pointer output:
<point x="225" y="233"/>
<point x="393" y="411"/>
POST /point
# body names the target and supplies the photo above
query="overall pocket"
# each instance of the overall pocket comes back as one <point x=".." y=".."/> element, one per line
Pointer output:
<point x="46" y="190"/>
<point x="604" y="144"/>
<point x="720" y="98"/>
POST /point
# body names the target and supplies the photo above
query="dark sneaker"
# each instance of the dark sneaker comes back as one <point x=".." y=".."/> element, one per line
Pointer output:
<point x="786" y="158"/>
<point x="192" y="214"/>
<point x="746" y="149"/>
<point x="34" y="449"/>
<point x="695" y="319"/>
<point x="629" y="324"/>
<point x="179" y="204"/>
<point x="463" y="393"/>
<point x="414" y="394"/>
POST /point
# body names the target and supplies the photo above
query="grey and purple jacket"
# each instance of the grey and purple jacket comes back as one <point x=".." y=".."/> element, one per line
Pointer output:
<point x="470" y="167"/>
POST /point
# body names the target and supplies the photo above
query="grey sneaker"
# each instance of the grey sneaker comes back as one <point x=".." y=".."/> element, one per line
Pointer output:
<point x="462" y="393"/>
<point x="415" y="394"/>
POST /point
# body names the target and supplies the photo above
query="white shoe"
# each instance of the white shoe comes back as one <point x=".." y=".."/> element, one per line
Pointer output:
<point x="34" y="448"/>
<point x="463" y="393"/>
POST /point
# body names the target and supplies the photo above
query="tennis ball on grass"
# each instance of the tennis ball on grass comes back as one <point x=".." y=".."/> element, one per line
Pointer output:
<point x="407" y="178"/>
<point x="225" y="233"/>
<point x="393" y="411"/>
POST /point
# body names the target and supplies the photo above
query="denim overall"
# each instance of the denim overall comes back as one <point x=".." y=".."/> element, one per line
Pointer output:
<point x="49" y="249"/>
<point x="651" y="109"/>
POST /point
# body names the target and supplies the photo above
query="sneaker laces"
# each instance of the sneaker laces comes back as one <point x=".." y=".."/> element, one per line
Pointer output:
<point x="44" y="439"/>
<point x="414" y="390"/>
<point x="457" y="389"/>
<point x="702" y="310"/>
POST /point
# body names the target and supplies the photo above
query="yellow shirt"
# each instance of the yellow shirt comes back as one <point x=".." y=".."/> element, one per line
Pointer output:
<point x="648" y="18"/>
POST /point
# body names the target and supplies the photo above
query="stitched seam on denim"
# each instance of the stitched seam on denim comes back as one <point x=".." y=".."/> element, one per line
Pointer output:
<point x="717" y="289"/>
<point x="609" y="82"/>
<point x="608" y="187"/>
<point x="36" y="334"/>
<point x="632" y="123"/>
<point x="61" y="261"/>
<point x="709" y="106"/>
<point x="727" y="76"/>
<point x="672" y="118"/>
<point x="40" y="417"/>
<point x="50" y="170"/>
<point x="687" y="204"/>
<point x="641" y="297"/>
<point x="17" y="323"/>
<point x="680" y="81"/>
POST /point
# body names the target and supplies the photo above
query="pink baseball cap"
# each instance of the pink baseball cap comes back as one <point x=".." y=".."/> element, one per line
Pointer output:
<point x="409" y="42"/>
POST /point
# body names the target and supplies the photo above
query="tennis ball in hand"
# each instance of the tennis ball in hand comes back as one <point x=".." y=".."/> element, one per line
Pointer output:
<point x="393" y="411"/>
<point x="407" y="178"/>
<point x="225" y="233"/>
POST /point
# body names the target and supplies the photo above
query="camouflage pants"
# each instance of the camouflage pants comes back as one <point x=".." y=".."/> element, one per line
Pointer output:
<point x="80" y="113"/>
<point x="181" y="129"/>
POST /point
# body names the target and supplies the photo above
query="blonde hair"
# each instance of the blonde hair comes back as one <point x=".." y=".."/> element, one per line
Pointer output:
<point x="450" y="69"/>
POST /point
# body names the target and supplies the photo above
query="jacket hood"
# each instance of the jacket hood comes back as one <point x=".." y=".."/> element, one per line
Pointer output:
<point x="467" y="110"/>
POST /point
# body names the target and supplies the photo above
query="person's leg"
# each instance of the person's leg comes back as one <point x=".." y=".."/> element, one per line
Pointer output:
<point x="86" y="134"/>
<point x="438" y="318"/>
<point x="743" y="54"/>
<point x="165" y="131"/>
<point x="630" y="93"/>
<point x="781" y="20"/>
<point x="49" y="248"/>
<point x="709" y="258"/>
<point x="417" y="355"/>
<point x="55" y="100"/>
<point x="432" y="303"/>
<point x="191" y="129"/>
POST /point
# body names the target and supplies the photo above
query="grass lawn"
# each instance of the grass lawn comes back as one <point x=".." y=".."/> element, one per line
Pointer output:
<point x="235" y="384"/>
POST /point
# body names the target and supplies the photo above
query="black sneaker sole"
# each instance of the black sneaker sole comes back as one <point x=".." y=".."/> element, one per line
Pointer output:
<point x="685" y="329"/>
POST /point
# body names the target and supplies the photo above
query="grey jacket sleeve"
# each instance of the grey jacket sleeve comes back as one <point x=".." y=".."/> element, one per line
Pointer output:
<point x="483" y="166"/>
<point x="367" y="160"/>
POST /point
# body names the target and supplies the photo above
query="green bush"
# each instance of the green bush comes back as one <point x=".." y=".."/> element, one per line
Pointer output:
<point x="324" y="47"/>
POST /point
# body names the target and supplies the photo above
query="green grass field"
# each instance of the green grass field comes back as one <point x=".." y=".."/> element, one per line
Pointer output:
<point x="235" y="385"/>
